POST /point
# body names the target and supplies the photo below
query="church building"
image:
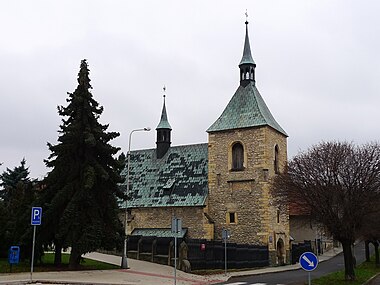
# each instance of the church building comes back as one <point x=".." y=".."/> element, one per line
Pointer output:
<point x="221" y="184"/>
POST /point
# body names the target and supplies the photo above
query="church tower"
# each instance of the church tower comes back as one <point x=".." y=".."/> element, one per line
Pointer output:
<point x="246" y="149"/>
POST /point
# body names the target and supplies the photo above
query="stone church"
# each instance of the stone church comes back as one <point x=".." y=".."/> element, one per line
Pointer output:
<point x="221" y="184"/>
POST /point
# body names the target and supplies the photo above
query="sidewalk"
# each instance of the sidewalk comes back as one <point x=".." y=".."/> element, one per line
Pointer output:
<point x="139" y="272"/>
<point x="325" y="256"/>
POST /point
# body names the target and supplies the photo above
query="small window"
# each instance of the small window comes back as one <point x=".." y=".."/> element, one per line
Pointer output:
<point x="278" y="216"/>
<point x="276" y="166"/>
<point x="265" y="175"/>
<point x="231" y="218"/>
<point x="237" y="157"/>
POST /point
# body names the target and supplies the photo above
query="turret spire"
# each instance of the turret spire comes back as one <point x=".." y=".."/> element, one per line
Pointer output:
<point x="163" y="131"/>
<point x="247" y="65"/>
<point x="164" y="123"/>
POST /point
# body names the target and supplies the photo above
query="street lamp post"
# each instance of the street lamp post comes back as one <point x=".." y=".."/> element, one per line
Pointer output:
<point x="124" y="263"/>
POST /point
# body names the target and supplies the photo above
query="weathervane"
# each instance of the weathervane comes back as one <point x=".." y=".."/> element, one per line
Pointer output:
<point x="164" y="88"/>
<point x="246" y="16"/>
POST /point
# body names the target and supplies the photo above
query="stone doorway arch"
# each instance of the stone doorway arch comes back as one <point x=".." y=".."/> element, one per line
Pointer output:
<point x="280" y="246"/>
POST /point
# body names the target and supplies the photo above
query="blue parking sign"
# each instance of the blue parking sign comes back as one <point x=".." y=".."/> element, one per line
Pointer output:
<point x="36" y="216"/>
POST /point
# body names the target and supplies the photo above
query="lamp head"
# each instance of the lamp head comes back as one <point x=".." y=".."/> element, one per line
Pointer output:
<point x="147" y="129"/>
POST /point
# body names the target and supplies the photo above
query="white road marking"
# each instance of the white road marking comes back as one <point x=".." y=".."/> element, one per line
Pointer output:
<point x="245" y="283"/>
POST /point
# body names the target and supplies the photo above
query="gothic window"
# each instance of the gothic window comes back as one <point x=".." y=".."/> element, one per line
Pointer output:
<point x="237" y="156"/>
<point x="276" y="166"/>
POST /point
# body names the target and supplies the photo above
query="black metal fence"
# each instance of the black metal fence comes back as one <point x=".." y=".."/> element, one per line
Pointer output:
<point x="203" y="254"/>
<point x="200" y="253"/>
<point x="298" y="249"/>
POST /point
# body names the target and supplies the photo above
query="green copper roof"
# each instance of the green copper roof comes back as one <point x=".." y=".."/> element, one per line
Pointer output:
<point x="157" y="232"/>
<point x="247" y="56"/>
<point x="164" y="123"/>
<point x="179" y="178"/>
<point x="246" y="109"/>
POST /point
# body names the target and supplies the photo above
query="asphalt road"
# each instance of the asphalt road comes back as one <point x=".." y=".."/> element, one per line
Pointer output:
<point x="299" y="276"/>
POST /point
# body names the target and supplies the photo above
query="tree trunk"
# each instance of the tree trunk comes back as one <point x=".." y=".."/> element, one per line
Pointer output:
<point x="74" y="259"/>
<point x="376" y="244"/>
<point x="349" y="271"/>
<point x="367" y="257"/>
<point x="58" y="254"/>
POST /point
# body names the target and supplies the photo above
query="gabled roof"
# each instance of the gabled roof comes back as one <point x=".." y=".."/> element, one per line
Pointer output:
<point x="246" y="109"/>
<point x="179" y="178"/>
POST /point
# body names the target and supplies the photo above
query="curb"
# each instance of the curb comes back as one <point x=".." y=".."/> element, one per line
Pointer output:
<point x="252" y="273"/>
<point x="371" y="279"/>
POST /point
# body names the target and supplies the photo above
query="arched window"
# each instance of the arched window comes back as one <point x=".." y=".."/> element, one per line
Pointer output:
<point x="276" y="164"/>
<point x="237" y="156"/>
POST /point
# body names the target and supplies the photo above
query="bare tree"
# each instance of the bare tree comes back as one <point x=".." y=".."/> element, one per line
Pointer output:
<point x="338" y="183"/>
<point x="371" y="233"/>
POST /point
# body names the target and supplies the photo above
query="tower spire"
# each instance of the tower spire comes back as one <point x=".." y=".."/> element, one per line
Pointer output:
<point x="247" y="65"/>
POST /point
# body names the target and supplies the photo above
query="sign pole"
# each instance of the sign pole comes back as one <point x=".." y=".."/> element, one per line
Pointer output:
<point x="309" y="262"/>
<point x="176" y="228"/>
<point x="225" y="237"/>
<point x="225" y="256"/>
<point x="32" y="263"/>
<point x="34" y="221"/>
<point x="175" y="259"/>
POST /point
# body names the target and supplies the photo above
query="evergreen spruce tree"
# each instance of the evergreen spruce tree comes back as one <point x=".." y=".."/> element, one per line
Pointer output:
<point x="11" y="178"/>
<point x="17" y="196"/>
<point x="82" y="188"/>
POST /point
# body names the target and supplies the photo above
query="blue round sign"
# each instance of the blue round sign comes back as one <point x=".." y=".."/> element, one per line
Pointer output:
<point x="308" y="261"/>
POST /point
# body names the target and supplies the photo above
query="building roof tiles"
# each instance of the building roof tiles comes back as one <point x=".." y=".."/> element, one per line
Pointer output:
<point x="179" y="178"/>
<point x="246" y="109"/>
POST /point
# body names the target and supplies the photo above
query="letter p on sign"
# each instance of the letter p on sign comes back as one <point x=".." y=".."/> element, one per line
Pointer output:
<point x="36" y="216"/>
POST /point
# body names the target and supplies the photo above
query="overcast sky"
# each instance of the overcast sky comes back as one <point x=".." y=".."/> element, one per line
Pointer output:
<point x="318" y="68"/>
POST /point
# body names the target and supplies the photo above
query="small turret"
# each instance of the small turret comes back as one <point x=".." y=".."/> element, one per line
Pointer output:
<point x="163" y="133"/>
<point x="247" y="65"/>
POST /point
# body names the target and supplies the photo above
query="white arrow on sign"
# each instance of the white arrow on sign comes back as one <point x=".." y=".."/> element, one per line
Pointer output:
<point x="310" y="263"/>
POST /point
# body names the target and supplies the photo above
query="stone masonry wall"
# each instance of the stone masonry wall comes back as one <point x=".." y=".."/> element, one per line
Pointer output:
<point x="193" y="218"/>
<point x="247" y="192"/>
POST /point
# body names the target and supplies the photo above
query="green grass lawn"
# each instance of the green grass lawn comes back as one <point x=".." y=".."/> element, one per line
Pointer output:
<point x="363" y="272"/>
<point x="48" y="265"/>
